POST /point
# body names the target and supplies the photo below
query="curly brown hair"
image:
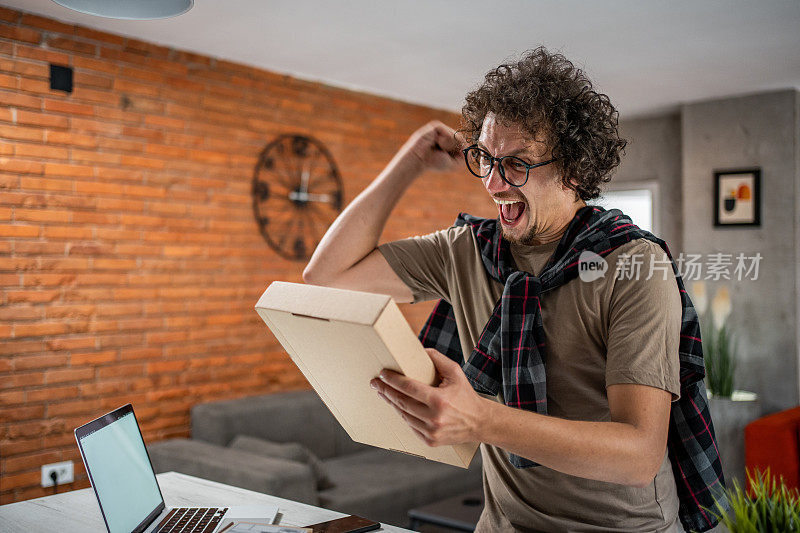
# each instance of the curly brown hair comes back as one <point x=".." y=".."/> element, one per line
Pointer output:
<point x="547" y="95"/>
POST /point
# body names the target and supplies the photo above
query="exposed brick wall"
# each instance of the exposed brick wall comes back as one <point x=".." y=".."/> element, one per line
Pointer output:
<point x="130" y="259"/>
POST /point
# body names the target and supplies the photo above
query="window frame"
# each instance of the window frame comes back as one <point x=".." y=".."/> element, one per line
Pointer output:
<point x="632" y="185"/>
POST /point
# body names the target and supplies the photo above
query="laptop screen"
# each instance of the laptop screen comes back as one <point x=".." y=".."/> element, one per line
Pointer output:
<point x="120" y="471"/>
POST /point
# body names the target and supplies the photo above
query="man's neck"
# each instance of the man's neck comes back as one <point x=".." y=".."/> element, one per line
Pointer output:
<point x="554" y="235"/>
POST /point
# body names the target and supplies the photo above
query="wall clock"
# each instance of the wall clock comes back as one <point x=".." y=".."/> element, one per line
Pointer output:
<point x="297" y="193"/>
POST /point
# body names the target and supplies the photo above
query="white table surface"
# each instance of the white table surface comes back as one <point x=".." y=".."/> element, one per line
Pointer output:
<point x="77" y="511"/>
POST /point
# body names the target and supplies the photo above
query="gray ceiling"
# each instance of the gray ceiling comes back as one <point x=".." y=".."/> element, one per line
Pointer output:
<point x="648" y="56"/>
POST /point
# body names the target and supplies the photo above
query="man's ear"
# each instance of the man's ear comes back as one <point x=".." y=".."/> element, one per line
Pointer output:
<point x="570" y="184"/>
<point x="573" y="186"/>
<point x="574" y="182"/>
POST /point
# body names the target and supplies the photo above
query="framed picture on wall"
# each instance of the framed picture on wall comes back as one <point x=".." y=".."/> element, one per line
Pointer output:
<point x="737" y="197"/>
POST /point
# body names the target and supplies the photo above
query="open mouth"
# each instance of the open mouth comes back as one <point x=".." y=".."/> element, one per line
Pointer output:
<point x="510" y="211"/>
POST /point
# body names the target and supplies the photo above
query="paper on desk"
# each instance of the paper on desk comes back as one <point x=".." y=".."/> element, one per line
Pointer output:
<point x="242" y="526"/>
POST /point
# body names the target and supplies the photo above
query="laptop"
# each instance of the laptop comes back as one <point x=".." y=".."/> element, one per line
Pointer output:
<point x="125" y="484"/>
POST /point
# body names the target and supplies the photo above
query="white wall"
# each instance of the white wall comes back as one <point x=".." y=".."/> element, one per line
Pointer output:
<point x="760" y="130"/>
<point x="654" y="154"/>
<point x="681" y="152"/>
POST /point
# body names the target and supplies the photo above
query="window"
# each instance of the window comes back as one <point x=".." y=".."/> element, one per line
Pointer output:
<point x="637" y="200"/>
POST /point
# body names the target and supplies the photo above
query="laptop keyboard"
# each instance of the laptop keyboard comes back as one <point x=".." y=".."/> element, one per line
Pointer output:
<point x="191" y="520"/>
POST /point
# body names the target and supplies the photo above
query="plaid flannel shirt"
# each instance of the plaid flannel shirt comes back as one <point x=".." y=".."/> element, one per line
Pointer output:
<point x="511" y="351"/>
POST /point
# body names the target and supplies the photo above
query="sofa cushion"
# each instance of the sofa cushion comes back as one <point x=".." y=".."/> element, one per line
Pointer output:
<point x="297" y="416"/>
<point x="773" y="442"/>
<point x="278" y="477"/>
<point x="383" y="485"/>
<point x="294" y="451"/>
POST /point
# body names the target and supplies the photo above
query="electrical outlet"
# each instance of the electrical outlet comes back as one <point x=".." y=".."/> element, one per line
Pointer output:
<point x="63" y="470"/>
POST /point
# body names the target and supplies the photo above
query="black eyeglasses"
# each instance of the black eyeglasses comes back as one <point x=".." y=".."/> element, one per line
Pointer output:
<point x="513" y="170"/>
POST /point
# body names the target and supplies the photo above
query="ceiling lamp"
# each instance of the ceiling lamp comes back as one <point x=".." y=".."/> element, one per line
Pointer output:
<point x="130" y="9"/>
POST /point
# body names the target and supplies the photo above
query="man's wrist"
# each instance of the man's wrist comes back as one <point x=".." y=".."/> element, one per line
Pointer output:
<point x="485" y="425"/>
<point x="405" y="167"/>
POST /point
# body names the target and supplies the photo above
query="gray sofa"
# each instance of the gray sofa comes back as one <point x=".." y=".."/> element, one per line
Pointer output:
<point x="349" y="477"/>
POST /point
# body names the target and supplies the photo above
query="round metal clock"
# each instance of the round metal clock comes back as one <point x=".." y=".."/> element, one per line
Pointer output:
<point x="297" y="193"/>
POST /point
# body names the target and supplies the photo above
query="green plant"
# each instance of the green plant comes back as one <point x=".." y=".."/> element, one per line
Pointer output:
<point x="719" y="352"/>
<point x="770" y="508"/>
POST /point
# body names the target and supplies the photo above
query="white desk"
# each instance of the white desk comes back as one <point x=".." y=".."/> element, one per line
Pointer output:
<point x="78" y="512"/>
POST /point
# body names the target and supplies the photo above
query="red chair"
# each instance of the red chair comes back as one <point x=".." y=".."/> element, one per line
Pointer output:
<point x="773" y="442"/>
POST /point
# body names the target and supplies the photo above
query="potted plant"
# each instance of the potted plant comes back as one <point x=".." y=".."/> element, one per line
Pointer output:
<point x="731" y="409"/>
<point x="770" y="506"/>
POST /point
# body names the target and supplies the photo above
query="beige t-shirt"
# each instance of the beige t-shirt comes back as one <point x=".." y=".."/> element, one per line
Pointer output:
<point x="598" y="333"/>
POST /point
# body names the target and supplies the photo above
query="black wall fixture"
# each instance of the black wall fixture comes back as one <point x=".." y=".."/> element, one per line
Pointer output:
<point x="60" y="78"/>
<point x="297" y="194"/>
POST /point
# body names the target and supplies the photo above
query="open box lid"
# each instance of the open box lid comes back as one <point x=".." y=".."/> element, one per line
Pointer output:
<point x="340" y="340"/>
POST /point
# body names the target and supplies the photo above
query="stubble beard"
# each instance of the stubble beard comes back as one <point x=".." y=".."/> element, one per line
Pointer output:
<point x="526" y="239"/>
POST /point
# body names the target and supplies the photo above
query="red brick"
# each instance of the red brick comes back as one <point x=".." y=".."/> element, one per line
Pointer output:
<point x="36" y="460"/>
<point x="72" y="45"/>
<point x="131" y="87"/>
<point x="20" y="100"/>
<point x="19" y="379"/>
<point x="71" y="139"/>
<point x="140" y="262"/>
<point x="66" y="375"/>
<point x="35" y="85"/>
<point x="108" y="98"/>
<point x="94" y="187"/>
<point x="70" y="310"/>
<point x="40" y="329"/>
<point x="27" y="479"/>
<point x="19" y="230"/>
<point x="40" y="54"/>
<point x="71" y="343"/>
<point x="42" y="151"/>
<point x="144" y="48"/>
<point x="140" y="353"/>
<point x="39" y="119"/>
<point x="25" y="413"/>
<point x="14" y="397"/>
<point x="70" y="108"/>
<point x="84" y="79"/>
<point x="120" y="145"/>
<point x="21" y="312"/>
<point x="9" y="81"/>
<point x="20" y="446"/>
<point x="45" y="23"/>
<point x="95" y="35"/>
<point x="166" y="336"/>
<point x="21" y="166"/>
<point x="9" y="15"/>
<point x="47" y="279"/>
<point x="21" y="134"/>
<point x="46" y="184"/>
<point x="120" y="370"/>
<point x="52" y="393"/>
<point x="25" y="68"/>
<point x="36" y="361"/>
<point x="96" y="126"/>
<point x="32" y="296"/>
<point x="66" y="232"/>
<point x="69" y="171"/>
<point x="76" y="407"/>
<point x="42" y="215"/>
<point x="84" y="64"/>
<point x="17" y="33"/>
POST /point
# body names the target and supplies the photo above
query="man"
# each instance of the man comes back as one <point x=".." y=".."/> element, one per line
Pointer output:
<point x="541" y="142"/>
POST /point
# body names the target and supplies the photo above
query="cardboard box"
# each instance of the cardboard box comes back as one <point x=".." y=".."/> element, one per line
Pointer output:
<point x="341" y="340"/>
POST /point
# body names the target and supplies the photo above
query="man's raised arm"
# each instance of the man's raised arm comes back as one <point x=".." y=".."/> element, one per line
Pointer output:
<point x="347" y="256"/>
